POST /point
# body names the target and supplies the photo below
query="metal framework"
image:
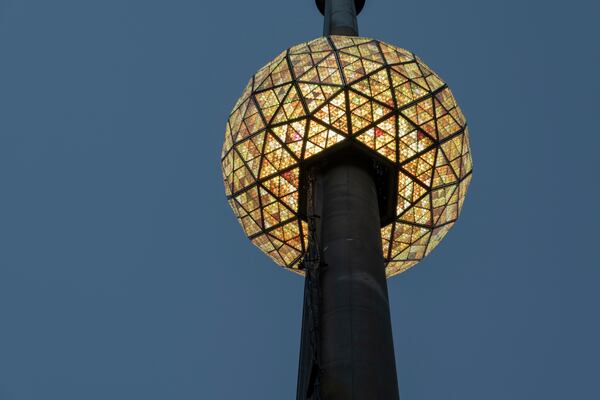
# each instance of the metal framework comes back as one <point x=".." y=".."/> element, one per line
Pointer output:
<point x="310" y="368"/>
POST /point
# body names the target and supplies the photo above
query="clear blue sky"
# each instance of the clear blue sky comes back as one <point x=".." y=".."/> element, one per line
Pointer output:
<point x="124" y="275"/>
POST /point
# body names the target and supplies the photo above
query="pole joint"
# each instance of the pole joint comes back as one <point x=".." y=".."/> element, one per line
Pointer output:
<point x="340" y="16"/>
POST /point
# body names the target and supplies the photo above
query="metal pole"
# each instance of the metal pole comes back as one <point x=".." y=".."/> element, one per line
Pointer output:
<point x="340" y="18"/>
<point x="357" y="350"/>
<point x="354" y="355"/>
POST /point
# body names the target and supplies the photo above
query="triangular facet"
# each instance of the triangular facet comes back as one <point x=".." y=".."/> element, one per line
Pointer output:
<point x="333" y="113"/>
<point x="279" y="186"/>
<point x="447" y="126"/>
<point x="327" y="71"/>
<point x="242" y="177"/>
<point x="228" y="143"/>
<point x="422" y="115"/>
<point x="466" y="162"/>
<point x="316" y="95"/>
<point x="274" y="211"/>
<point x="394" y="55"/>
<point x="341" y="42"/>
<point x="251" y="123"/>
<point x="443" y="174"/>
<point x="453" y="149"/>
<point x="386" y="233"/>
<point x="236" y="118"/>
<point x="245" y="93"/>
<point x="406" y="91"/>
<point x="436" y="236"/>
<point x="462" y="190"/>
<point x="319" y="138"/>
<point x="432" y="79"/>
<point x="445" y="97"/>
<point x="250" y="151"/>
<point x="394" y="268"/>
<point x="376" y="86"/>
<point x="412" y="72"/>
<point x="319" y="44"/>
<point x="269" y="100"/>
<point x="422" y="167"/>
<point x="404" y="236"/>
<point x="248" y="208"/>
<point x="371" y="52"/>
<point x="263" y="79"/>
<point x="409" y="191"/>
<point x="290" y="108"/>
<point x="364" y="111"/>
<point x="280" y="74"/>
<point x="381" y="138"/>
<point x="303" y="62"/>
<point x="291" y="135"/>
<point x="289" y="234"/>
<point x="275" y="157"/>
<point x="412" y="142"/>
<point x="445" y="204"/>
<point x="419" y="213"/>
<point x="356" y="68"/>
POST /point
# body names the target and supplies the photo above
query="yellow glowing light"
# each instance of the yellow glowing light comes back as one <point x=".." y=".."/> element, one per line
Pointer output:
<point x="334" y="89"/>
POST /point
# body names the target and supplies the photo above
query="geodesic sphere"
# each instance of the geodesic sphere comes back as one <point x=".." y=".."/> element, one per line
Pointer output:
<point x="316" y="95"/>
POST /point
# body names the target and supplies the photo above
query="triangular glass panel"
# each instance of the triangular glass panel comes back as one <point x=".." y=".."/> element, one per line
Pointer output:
<point x="252" y="121"/>
<point x="404" y="236"/>
<point x="422" y="167"/>
<point x="436" y="236"/>
<point x="371" y="52"/>
<point x="422" y="115"/>
<point x="275" y="157"/>
<point x="394" y="55"/>
<point x="376" y="86"/>
<point x="333" y="113"/>
<point x="292" y="135"/>
<point x="303" y="62"/>
<point x="274" y="211"/>
<point x="270" y="99"/>
<point x="381" y="138"/>
<point x="443" y="174"/>
<point x="409" y="191"/>
<point x="364" y="111"/>
<point x="419" y="213"/>
<point x="279" y="75"/>
<point x="291" y="107"/>
<point x="462" y="190"/>
<point x="394" y="268"/>
<point x="319" y="44"/>
<point x="250" y="151"/>
<point x="412" y="143"/>
<point x="315" y="95"/>
<point x="445" y="204"/>
<point x="242" y="178"/>
<point x="319" y="138"/>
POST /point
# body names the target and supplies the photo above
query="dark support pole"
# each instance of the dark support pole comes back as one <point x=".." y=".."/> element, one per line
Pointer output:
<point x="352" y="355"/>
<point x="340" y="18"/>
<point x="356" y="346"/>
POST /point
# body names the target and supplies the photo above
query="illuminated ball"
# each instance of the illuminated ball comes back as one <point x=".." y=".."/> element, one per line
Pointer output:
<point x="316" y="95"/>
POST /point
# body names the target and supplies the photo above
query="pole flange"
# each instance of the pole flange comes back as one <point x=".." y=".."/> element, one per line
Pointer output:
<point x="358" y="4"/>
